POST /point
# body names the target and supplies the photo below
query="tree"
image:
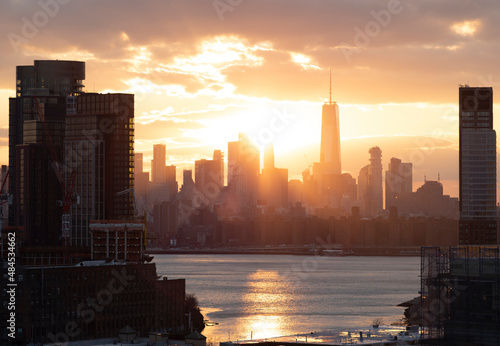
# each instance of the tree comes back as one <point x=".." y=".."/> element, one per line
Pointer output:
<point x="192" y="309"/>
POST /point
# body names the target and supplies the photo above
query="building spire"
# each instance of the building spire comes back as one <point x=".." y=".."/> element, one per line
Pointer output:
<point x="330" y="86"/>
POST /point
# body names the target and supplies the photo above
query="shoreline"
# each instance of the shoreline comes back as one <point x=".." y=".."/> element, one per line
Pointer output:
<point x="294" y="252"/>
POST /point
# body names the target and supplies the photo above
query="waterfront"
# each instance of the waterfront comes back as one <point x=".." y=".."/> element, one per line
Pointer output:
<point x="263" y="296"/>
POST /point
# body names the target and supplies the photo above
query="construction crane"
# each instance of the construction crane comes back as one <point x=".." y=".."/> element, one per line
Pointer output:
<point x="66" y="187"/>
<point x="4" y="197"/>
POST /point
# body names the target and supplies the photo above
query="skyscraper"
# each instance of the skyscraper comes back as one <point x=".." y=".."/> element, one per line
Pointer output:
<point x="103" y="159"/>
<point x="328" y="171"/>
<point x="273" y="182"/>
<point x="398" y="180"/>
<point x="330" y="136"/>
<point x="141" y="179"/>
<point x="34" y="183"/>
<point x="269" y="156"/>
<point x="477" y="163"/>
<point x="209" y="175"/>
<point x="158" y="163"/>
<point x="370" y="184"/>
<point x="243" y="171"/>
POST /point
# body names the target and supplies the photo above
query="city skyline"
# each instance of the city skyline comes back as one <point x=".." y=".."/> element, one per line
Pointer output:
<point x="197" y="88"/>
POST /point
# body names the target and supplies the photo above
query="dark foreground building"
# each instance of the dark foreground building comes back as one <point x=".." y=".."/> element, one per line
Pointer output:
<point x="92" y="300"/>
<point x="477" y="165"/>
<point x="460" y="289"/>
<point x="460" y="286"/>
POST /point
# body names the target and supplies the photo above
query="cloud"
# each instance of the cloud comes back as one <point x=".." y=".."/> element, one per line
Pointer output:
<point x="188" y="37"/>
<point x="197" y="78"/>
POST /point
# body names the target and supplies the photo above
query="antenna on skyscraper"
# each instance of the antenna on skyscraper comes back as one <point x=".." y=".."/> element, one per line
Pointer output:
<point x="330" y="86"/>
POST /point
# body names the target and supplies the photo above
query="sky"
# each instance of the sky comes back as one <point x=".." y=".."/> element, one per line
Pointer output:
<point x="203" y="71"/>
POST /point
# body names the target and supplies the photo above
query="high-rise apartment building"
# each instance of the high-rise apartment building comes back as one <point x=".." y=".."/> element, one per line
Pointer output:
<point x="398" y="181"/>
<point x="65" y="143"/>
<point x="35" y="145"/>
<point x="477" y="163"/>
<point x="99" y="147"/>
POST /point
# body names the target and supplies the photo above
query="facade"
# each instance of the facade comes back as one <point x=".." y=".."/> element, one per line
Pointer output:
<point x="118" y="240"/>
<point x="36" y="185"/>
<point x="54" y="77"/>
<point x="50" y="81"/>
<point x="98" y="150"/>
<point x="477" y="162"/>
<point x="110" y="118"/>
<point x="87" y="158"/>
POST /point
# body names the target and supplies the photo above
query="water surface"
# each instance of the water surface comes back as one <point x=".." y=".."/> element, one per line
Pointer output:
<point x="263" y="296"/>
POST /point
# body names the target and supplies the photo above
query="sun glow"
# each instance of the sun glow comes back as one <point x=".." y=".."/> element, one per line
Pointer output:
<point x="466" y="28"/>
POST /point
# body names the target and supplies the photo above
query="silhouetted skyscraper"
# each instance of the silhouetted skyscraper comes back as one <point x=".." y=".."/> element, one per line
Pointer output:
<point x="370" y="184"/>
<point x="477" y="166"/>
<point x="330" y="136"/>
<point x="33" y="179"/>
<point x="328" y="171"/>
<point x="102" y="159"/>
<point x="141" y="178"/>
<point x="209" y="175"/>
<point x="398" y="180"/>
<point x="171" y="180"/>
<point x="243" y="171"/>
<point x="273" y="182"/>
<point x="269" y="156"/>
<point x="158" y="163"/>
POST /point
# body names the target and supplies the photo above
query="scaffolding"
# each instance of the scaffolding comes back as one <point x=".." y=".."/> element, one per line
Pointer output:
<point x="434" y="275"/>
<point x="460" y="291"/>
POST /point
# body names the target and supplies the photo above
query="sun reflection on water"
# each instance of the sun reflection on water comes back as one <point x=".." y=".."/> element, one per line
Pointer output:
<point x="269" y="304"/>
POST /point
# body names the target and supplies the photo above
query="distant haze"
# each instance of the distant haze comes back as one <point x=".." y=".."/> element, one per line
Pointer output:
<point x="202" y="72"/>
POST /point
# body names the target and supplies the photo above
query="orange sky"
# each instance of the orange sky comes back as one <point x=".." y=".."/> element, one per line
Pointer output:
<point x="203" y="71"/>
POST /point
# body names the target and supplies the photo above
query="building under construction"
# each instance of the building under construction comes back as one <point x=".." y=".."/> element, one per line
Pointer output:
<point x="460" y="290"/>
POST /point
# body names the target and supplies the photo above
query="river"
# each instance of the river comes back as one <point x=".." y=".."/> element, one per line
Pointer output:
<point x="263" y="296"/>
